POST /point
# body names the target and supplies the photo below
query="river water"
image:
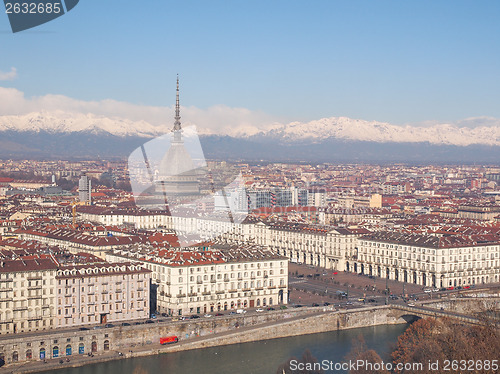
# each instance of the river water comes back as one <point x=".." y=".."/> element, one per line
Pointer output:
<point x="250" y="358"/>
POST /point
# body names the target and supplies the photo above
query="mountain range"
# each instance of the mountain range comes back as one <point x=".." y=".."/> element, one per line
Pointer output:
<point x="70" y="135"/>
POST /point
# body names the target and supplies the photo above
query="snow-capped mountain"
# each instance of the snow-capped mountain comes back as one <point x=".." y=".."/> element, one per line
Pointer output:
<point x="59" y="134"/>
<point x="372" y="131"/>
<point x="339" y="128"/>
<point x="64" y="123"/>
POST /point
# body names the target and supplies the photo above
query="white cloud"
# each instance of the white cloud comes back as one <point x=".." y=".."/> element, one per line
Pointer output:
<point x="8" y="76"/>
<point x="218" y="119"/>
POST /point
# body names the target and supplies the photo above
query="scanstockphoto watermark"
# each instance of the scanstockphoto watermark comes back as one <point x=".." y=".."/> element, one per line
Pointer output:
<point x="355" y="365"/>
<point x="26" y="14"/>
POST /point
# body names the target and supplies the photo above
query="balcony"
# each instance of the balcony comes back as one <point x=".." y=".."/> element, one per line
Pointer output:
<point x="219" y="292"/>
<point x="192" y="294"/>
<point x="205" y="293"/>
<point x="212" y="280"/>
<point x="180" y="295"/>
<point x="199" y="282"/>
<point x="246" y="289"/>
<point x="282" y="286"/>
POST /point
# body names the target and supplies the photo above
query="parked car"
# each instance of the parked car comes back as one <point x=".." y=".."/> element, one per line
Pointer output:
<point x="241" y="311"/>
<point x="84" y="329"/>
<point x="109" y="325"/>
<point x="194" y="316"/>
<point x="148" y="321"/>
<point x="207" y="315"/>
<point x="270" y="308"/>
<point x="326" y="303"/>
<point x="259" y="310"/>
<point x="219" y="314"/>
<point x="232" y="313"/>
<point x="283" y="307"/>
<point x="125" y="324"/>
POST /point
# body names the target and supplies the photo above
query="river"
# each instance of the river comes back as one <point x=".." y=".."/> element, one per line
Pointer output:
<point x="250" y="358"/>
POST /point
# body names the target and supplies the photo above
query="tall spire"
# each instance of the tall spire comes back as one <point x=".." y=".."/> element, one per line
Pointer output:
<point x="177" y="123"/>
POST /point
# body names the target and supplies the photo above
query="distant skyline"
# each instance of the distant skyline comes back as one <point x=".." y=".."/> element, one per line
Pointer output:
<point x="280" y="61"/>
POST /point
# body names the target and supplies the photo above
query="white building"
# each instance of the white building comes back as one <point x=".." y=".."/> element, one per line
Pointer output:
<point x="204" y="280"/>
<point x="27" y="294"/>
<point x="428" y="260"/>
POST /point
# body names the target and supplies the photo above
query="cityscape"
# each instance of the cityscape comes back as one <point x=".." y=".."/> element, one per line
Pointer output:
<point x="250" y="188"/>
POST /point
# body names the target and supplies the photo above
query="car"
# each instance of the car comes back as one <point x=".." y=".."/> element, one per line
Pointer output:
<point x="259" y="310"/>
<point x="374" y="301"/>
<point x="97" y="327"/>
<point x="300" y="276"/>
<point x="466" y="287"/>
<point x="109" y="325"/>
<point x="427" y="290"/>
<point x="435" y="290"/>
<point x="326" y="303"/>
<point x="153" y="316"/>
<point x="232" y="313"/>
<point x="164" y="315"/>
<point x="270" y="308"/>
<point x="138" y="323"/>
<point x="361" y="299"/>
<point x="219" y="314"/>
<point x="315" y="304"/>
<point x="283" y="307"/>
<point x="411" y="304"/>
<point x="207" y="315"/>
<point x="148" y="321"/>
<point x="309" y="276"/>
<point x="194" y="316"/>
<point x="298" y="306"/>
<point x="183" y="318"/>
<point x="348" y="303"/>
<point x="335" y="273"/>
<point x="84" y="329"/>
<point x="371" y="277"/>
<point x="125" y="324"/>
<point x="451" y="288"/>
<point x="175" y="319"/>
<point x="241" y="311"/>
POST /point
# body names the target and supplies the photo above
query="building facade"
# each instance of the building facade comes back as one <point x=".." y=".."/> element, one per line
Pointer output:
<point x="194" y="281"/>
<point x="101" y="293"/>
<point x="430" y="261"/>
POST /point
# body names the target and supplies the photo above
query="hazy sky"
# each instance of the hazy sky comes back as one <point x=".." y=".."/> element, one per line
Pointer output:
<point x="394" y="61"/>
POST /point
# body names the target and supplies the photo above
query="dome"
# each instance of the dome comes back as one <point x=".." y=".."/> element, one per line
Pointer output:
<point x="176" y="161"/>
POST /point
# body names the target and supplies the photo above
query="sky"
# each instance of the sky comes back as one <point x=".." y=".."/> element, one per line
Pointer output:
<point x="391" y="61"/>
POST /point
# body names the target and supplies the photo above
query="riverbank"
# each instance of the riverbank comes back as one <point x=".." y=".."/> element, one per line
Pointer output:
<point x="302" y="324"/>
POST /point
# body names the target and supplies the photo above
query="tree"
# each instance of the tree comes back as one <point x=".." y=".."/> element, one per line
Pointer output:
<point x="360" y="352"/>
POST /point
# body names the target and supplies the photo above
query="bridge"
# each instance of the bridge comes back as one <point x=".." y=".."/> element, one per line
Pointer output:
<point x="413" y="313"/>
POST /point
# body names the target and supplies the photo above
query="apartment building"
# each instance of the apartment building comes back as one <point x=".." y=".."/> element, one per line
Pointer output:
<point x="101" y="293"/>
<point x="429" y="260"/>
<point x="27" y="294"/>
<point x="212" y="278"/>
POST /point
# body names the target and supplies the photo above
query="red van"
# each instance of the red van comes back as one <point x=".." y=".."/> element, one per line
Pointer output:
<point x="169" y="340"/>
